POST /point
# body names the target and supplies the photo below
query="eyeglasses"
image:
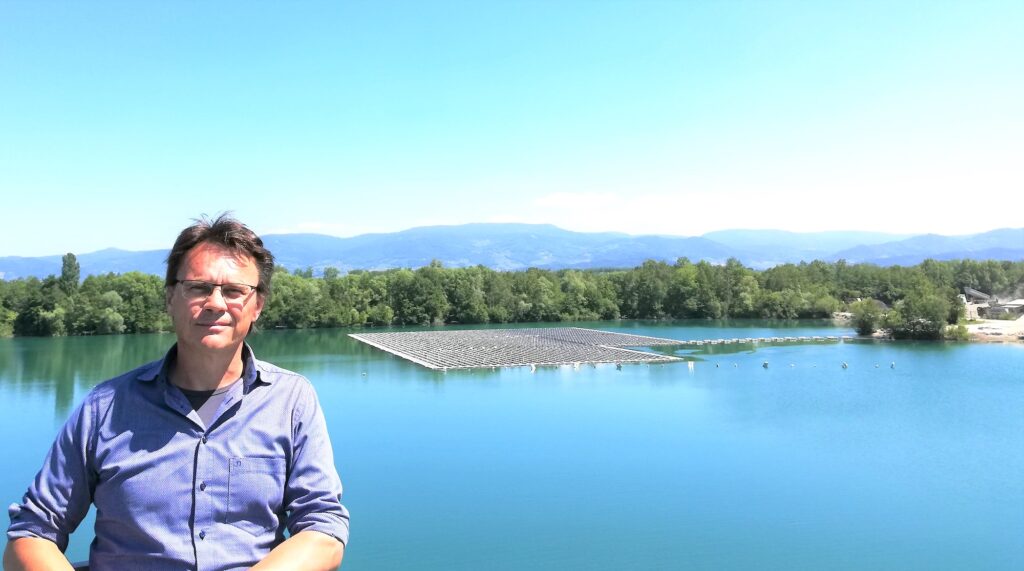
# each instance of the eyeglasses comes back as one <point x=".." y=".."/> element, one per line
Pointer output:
<point x="197" y="290"/>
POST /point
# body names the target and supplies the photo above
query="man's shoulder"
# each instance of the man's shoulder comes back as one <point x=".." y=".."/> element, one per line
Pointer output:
<point x="125" y="381"/>
<point x="272" y="373"/>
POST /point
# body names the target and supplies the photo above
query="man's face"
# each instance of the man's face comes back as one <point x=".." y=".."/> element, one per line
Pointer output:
<point x="214" y="322"/>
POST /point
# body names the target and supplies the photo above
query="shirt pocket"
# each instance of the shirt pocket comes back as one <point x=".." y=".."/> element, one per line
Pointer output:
<point x="255" y="493"/>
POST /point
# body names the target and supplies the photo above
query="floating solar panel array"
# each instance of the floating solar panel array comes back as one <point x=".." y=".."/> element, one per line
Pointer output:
<point x="467" y="349"/>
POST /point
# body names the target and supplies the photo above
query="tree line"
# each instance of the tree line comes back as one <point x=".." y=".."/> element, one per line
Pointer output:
<point x="911" y="302"/>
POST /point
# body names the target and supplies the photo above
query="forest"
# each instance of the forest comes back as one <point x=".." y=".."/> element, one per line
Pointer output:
<point x="918" y="302"/>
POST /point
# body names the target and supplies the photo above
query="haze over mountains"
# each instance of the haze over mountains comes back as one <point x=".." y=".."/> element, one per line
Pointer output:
<point x="521" y="246"/>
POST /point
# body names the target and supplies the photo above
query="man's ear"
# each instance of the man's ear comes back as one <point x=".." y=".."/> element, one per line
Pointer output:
<point x="260" y="300"/>
<point x="168" y="292"/>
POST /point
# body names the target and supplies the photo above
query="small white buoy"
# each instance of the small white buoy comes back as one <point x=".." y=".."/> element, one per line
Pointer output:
<point x="892" y="365"/>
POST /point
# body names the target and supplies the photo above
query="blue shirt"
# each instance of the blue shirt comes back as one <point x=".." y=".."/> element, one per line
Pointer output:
<point x="172" y="494"/>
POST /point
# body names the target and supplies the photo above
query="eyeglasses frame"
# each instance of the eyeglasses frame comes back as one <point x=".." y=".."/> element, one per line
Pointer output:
<point x="213" y="286"/>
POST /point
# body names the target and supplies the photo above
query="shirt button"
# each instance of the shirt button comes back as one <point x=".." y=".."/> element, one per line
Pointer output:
<point x="202" y="534"/>
<point x="202" y="486"/>
<point x="204" y="440"/>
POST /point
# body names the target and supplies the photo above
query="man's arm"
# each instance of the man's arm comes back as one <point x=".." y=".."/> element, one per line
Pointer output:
<point x="35" y="553"/>
<point x="313" y="490"/>
<point x="55" y="502"/>
<point x="306" y="550"/>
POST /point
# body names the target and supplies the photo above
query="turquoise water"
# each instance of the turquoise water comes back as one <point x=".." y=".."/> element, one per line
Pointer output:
<point x="727" y="465"/>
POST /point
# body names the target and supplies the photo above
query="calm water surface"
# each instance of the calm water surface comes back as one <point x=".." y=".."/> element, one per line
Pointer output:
<point x="727" y="465"/>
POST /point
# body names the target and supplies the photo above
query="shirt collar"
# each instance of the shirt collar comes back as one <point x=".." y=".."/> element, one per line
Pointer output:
<point x="161" y="369"/>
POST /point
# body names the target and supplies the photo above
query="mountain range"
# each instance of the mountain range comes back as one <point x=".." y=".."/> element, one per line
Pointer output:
<point x="521" y="246"/>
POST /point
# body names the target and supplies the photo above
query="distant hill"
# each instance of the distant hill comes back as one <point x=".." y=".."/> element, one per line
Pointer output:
<point x="520" y="246"/>
<point x="100" y="262"/>
<point x="767" y="248"/>
<point x="1002" y="244"/>
<point x="498" y="246"/>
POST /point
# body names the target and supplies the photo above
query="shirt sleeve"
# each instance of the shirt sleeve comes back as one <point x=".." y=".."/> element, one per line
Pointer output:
<point x="59" y="496"/>
<point x="313" y="489"/>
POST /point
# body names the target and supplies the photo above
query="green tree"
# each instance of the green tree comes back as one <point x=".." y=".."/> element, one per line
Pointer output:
<point x="708" y="301"/>
<point x="102" y="315"/>
<point x="924" y="297"/>
<point x="652" y="289"/>
<point x="464" y="291"/>
<point x="143" y="306"/>
<point x="7" y="317"/>
<point x="294" y="304"/>
<point x="370" y="297"/>
<point x="736" y="288"/>
<point x="577" y="300"/>
<point x="416" y="298"/>
<point x="867" y="316"/>
<point x="37" y="308"/>
<point x="70" y="273"/>
<point x="338" y="300"/>
<point x="501" y="302"/>
<point x="538" y="297"/>
<point x="921" y="314"/>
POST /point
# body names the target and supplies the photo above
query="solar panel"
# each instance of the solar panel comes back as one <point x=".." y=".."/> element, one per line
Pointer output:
<point x="479" y="348"/>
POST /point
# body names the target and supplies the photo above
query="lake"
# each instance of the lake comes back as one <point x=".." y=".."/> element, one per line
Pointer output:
<point x="724" y="464"/>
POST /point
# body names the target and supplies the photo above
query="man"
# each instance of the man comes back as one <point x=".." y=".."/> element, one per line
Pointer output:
<point x="203" y="459"/>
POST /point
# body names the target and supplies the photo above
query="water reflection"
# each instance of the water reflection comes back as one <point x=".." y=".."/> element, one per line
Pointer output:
<point x="65" y="366"/>
<point x="697" y="464"/>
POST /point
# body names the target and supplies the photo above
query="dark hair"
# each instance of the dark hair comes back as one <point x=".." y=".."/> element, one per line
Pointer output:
<point x="227" y="232"/>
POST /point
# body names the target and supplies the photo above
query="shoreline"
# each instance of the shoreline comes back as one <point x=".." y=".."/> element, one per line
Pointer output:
<point x="997" y="330"/>
<point x="981" y="331"/>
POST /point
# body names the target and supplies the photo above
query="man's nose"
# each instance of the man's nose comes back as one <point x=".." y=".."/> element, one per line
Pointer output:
<point x="215" y="299"/>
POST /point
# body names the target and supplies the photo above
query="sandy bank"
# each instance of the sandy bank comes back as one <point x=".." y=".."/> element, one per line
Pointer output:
<point x="997" y="330"/>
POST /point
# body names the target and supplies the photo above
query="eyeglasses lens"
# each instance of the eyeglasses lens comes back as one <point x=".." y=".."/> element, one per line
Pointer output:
<point x="198" y="290"/>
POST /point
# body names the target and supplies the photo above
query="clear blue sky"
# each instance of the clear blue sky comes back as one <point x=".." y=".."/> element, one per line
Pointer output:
<point x="122" y="121"/>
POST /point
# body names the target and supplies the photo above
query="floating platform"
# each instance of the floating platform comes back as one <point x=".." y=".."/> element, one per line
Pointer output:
<point x="482" y="348"/>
